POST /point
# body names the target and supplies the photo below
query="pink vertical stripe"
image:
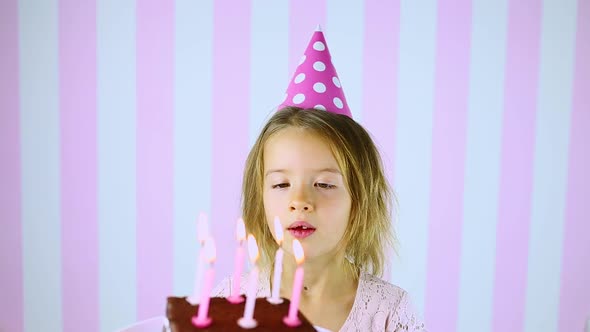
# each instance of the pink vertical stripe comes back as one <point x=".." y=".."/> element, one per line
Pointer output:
<point x="77" y="63"/>
<point x="448" y="163"/>
<point x="155" y="111"/>
<point x="304" y="17"/>
<point x="231" y="97"/>
<point x="380" y="63"/>
<point x="574" y="306"/>
<point x="516" y="172"/>
<point x="11" y="277"/>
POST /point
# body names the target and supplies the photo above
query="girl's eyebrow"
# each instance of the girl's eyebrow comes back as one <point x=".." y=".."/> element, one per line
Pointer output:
<point x="322" y="170"/>
<point x="329" y="170"/>
<point x="270" y="171"/>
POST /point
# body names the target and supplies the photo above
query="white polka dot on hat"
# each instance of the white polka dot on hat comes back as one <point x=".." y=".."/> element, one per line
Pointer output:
<point x="315" y="83"/>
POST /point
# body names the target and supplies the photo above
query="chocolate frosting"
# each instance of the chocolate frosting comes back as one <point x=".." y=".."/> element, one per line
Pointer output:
<point x="225" y="316"/>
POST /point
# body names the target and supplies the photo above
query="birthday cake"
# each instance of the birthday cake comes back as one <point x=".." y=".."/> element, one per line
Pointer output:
<point x="225" y="316"/>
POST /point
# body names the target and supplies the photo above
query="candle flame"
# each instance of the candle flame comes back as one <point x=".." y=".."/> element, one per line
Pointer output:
<point x="278" y="231"/>
<point x="240" y="230"/>
<point x="298" y="251"/>
<point x="202" y="228"/>
<point x="210" y="251"/>
<point x="252" y="248"/>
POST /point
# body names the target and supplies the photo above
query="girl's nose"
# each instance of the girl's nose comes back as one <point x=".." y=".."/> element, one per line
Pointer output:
<point x="300" y="201"/>
<point x="300" y="206"/>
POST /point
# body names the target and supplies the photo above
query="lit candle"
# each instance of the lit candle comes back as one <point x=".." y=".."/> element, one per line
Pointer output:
<point x="291" y="319"/>
<point x="276" y="280"/>
<point x="248" y="321"/>
<point x="202" y="318"/>
<point x="239" y="264"/>
<point x="202" y="235"/>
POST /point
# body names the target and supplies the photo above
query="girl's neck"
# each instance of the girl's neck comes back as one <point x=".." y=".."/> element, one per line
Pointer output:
<point x="327" y="275"/>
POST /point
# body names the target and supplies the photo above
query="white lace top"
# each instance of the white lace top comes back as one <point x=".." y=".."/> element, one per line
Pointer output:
<point x="378" y="305"/>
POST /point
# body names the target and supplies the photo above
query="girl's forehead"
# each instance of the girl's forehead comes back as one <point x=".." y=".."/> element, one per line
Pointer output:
<point x="295" y="148"/>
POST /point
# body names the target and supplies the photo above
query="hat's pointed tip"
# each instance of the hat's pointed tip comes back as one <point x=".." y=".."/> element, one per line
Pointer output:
<point x="318" y="28"/>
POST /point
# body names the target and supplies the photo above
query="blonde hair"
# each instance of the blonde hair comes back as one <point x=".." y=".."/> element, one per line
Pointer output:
<point x="369" y="233"/>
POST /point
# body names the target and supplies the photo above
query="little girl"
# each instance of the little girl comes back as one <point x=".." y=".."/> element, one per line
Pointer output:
<point x="319" y="172"/>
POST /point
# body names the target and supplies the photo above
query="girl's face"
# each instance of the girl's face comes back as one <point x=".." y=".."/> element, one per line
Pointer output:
<point x="305" y="188"/>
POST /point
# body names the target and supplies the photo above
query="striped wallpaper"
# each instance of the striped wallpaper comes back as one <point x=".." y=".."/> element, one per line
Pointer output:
<point x="121" y="120"/>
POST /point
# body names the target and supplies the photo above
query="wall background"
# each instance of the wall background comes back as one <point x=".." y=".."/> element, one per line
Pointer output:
<point x="121" y="120"/>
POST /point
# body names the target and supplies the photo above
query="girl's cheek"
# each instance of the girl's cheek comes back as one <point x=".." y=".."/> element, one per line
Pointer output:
<point x="273" y="198"/>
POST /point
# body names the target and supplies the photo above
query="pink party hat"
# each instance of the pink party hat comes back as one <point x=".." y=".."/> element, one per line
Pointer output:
<point x="315" y="83"/>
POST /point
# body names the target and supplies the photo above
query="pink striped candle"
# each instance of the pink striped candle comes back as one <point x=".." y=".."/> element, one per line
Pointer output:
<point x="202" y="319"/>
<point x="234" y="296"/>
<point x="248" y="321"/>
<point x="291" y="319"/>
<point x="202" y="235"/>
<point x="278" y="270"/>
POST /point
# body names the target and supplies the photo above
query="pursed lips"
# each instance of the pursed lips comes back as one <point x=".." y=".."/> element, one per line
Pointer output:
<point x="301" y="229"/>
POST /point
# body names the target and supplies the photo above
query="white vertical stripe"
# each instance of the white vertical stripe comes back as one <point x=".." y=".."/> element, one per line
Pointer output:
<point x="40" y="137"/>
<point x="192" y="133"/>
<point x="345" y="32"/>
<point x="482" y="169"/>
<point x="116" y="162"/>
<point x="414" y="143"/>
<point x="554" y="104"/>
<point x="269" y="76"/>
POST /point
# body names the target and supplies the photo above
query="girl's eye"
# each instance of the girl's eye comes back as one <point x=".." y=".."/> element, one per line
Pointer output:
<point x="325" y="185"/>
<point x="280" y="186"/>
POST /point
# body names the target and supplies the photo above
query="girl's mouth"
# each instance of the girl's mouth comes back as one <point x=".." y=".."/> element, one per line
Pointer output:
<point x="301" y="230"/>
